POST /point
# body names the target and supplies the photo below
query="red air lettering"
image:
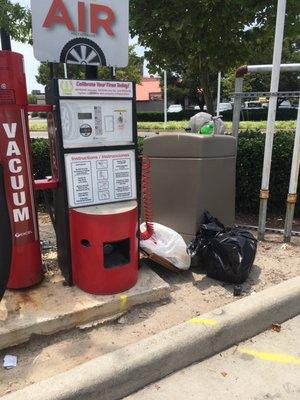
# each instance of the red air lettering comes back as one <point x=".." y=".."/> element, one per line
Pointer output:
<point x="101" y="16"/>
<point x="81" y="17"/>
<point x="105" y="23"/>
<point x="58" y="14"/>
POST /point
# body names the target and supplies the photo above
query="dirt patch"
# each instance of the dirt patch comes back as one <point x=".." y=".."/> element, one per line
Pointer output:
<point x="192" y="294"/>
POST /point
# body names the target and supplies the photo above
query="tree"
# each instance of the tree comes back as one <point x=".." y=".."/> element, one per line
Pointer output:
<point x="208" y="35"/>
<point x="16" y="20"/>
<point x="131" y="72"/>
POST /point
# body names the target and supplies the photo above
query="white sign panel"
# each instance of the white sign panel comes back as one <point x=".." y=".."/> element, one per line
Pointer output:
<point x="100" y="177"/>
<point x="90" y="123"/>
<point x="76" y="88"/>
<point x="94" y="32"/>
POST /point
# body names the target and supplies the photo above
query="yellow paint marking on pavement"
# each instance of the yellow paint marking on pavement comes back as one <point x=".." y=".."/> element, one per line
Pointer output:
<point x="203" y="321"/>
<point x="123" y="302"/>
<point x="275" y="357"/>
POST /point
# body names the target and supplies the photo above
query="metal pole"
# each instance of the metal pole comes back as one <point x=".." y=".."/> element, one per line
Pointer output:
<point x="51" y="68"/>
<point x="219" y="93"/>
<point x="264" y="193"/>
<point x="292" y="196"/>
<point x="165" y="98"/>
<point x="112" y="73"/>
<point x="5" y="40"/>
<point x="65" y="70"/>
<point x="237" y="106"/>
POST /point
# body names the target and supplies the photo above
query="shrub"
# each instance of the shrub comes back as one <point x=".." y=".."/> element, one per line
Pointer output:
<point x="249" y="170"/>
<point x="41" y="158"/>
<point x="283" y="114"/>
<point x="42" y="115"/>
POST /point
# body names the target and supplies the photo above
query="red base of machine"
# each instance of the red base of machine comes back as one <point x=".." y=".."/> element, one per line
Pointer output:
<point x="26" y="266"/>
<point x="104" y="247"/>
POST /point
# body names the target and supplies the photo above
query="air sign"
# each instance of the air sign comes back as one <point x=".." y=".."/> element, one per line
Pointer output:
<point x="92" y="32"/>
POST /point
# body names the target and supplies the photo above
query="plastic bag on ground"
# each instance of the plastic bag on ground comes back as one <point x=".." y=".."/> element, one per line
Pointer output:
<point x="226" y="254"/>
<point x="167" y="244"/>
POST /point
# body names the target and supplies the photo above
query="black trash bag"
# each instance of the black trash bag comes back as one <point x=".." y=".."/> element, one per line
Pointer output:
<point x="226" y="254"/>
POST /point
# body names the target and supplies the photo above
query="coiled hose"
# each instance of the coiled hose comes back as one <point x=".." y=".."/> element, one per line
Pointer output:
<point x="146" y="198"/>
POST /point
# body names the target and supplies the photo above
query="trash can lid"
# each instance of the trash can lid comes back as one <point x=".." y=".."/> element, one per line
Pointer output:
<point x="182" y="145"/>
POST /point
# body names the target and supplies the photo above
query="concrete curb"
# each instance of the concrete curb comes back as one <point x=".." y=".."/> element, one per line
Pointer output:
<point x="116" y="375"/>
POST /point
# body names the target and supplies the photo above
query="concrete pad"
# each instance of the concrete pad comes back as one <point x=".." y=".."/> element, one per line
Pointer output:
<point x="52" y="307"/>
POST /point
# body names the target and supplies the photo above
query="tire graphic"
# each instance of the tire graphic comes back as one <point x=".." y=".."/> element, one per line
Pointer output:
<point x="83" y="52"/>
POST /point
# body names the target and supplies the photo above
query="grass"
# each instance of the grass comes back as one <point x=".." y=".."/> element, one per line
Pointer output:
<point x="181" y="125"/>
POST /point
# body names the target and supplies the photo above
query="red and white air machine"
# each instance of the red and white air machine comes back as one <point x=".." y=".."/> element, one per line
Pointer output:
<point x="94" y="142"/>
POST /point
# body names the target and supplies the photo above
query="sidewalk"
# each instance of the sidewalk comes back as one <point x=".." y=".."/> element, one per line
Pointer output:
<point x="265" y="367"/>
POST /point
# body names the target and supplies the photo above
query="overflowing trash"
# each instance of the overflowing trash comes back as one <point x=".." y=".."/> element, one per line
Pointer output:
<point x="166" y="247"/>
<point x="226" y="254"/>
<point x="206" y="124"/>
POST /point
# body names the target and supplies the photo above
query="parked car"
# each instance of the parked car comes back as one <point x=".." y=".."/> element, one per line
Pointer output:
<point x="175" y="108"/>
<point x="198" y="108"/>
<point x="256" y="105"/>
<point x="285" y="104"/>
<point x="225" y="107"/>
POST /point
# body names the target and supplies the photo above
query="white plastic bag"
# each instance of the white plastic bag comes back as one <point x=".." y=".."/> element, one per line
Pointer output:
<point x="168" y="244"/>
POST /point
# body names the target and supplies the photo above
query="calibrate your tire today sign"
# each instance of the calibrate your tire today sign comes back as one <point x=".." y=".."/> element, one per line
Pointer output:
<point x="92" y="32"/>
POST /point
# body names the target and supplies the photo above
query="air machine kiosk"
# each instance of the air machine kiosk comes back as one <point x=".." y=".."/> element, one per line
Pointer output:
<point x="93" y="140"/>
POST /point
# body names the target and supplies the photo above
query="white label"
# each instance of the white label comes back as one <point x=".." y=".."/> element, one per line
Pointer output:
<point x="100" y="177"/>
<point x="90" y="123"/>
<point x="94" y="32"/>
<point x="76" y="88"/>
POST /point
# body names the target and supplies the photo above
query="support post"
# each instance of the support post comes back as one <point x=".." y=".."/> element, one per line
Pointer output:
<point x="65" y="70"/>
<point x="264" y="193"/>
<point x="165" y="98"/>
<point x="237" y="106"/>
<point x="292" y="196"/>
<point x="5" y="40"/>
<point x="112" y="71"/>
<point x="219" y="93"/>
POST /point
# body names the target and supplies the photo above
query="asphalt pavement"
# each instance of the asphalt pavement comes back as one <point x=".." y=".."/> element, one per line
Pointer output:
<point x="264" y="367"/>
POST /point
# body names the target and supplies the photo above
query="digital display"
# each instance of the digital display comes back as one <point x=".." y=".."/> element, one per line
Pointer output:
<point x="85" y="115"/>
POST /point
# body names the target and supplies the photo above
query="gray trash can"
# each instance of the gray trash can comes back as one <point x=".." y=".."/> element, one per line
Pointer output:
<point x="191" y="173"/>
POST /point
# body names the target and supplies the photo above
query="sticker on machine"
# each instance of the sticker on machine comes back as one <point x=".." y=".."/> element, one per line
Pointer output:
<point x="100" y="177"/>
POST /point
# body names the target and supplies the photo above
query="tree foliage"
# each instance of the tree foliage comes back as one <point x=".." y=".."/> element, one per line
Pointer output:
<point x="16" y="20"/>
<point x="261" y="82"/>
<point x="132" y="72"/>
<point x="206" y="36"/>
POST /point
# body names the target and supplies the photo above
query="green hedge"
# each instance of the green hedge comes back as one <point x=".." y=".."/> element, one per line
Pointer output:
<point x="249" y="168"/>
<point x="246" y="115"/>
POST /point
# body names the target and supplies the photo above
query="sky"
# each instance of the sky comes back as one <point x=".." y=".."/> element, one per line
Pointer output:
<point x="31" y="64"/>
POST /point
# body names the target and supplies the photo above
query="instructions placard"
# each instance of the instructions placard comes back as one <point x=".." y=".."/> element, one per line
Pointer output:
<point x="100" y="177"/>
<point x="90" y="123"/>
